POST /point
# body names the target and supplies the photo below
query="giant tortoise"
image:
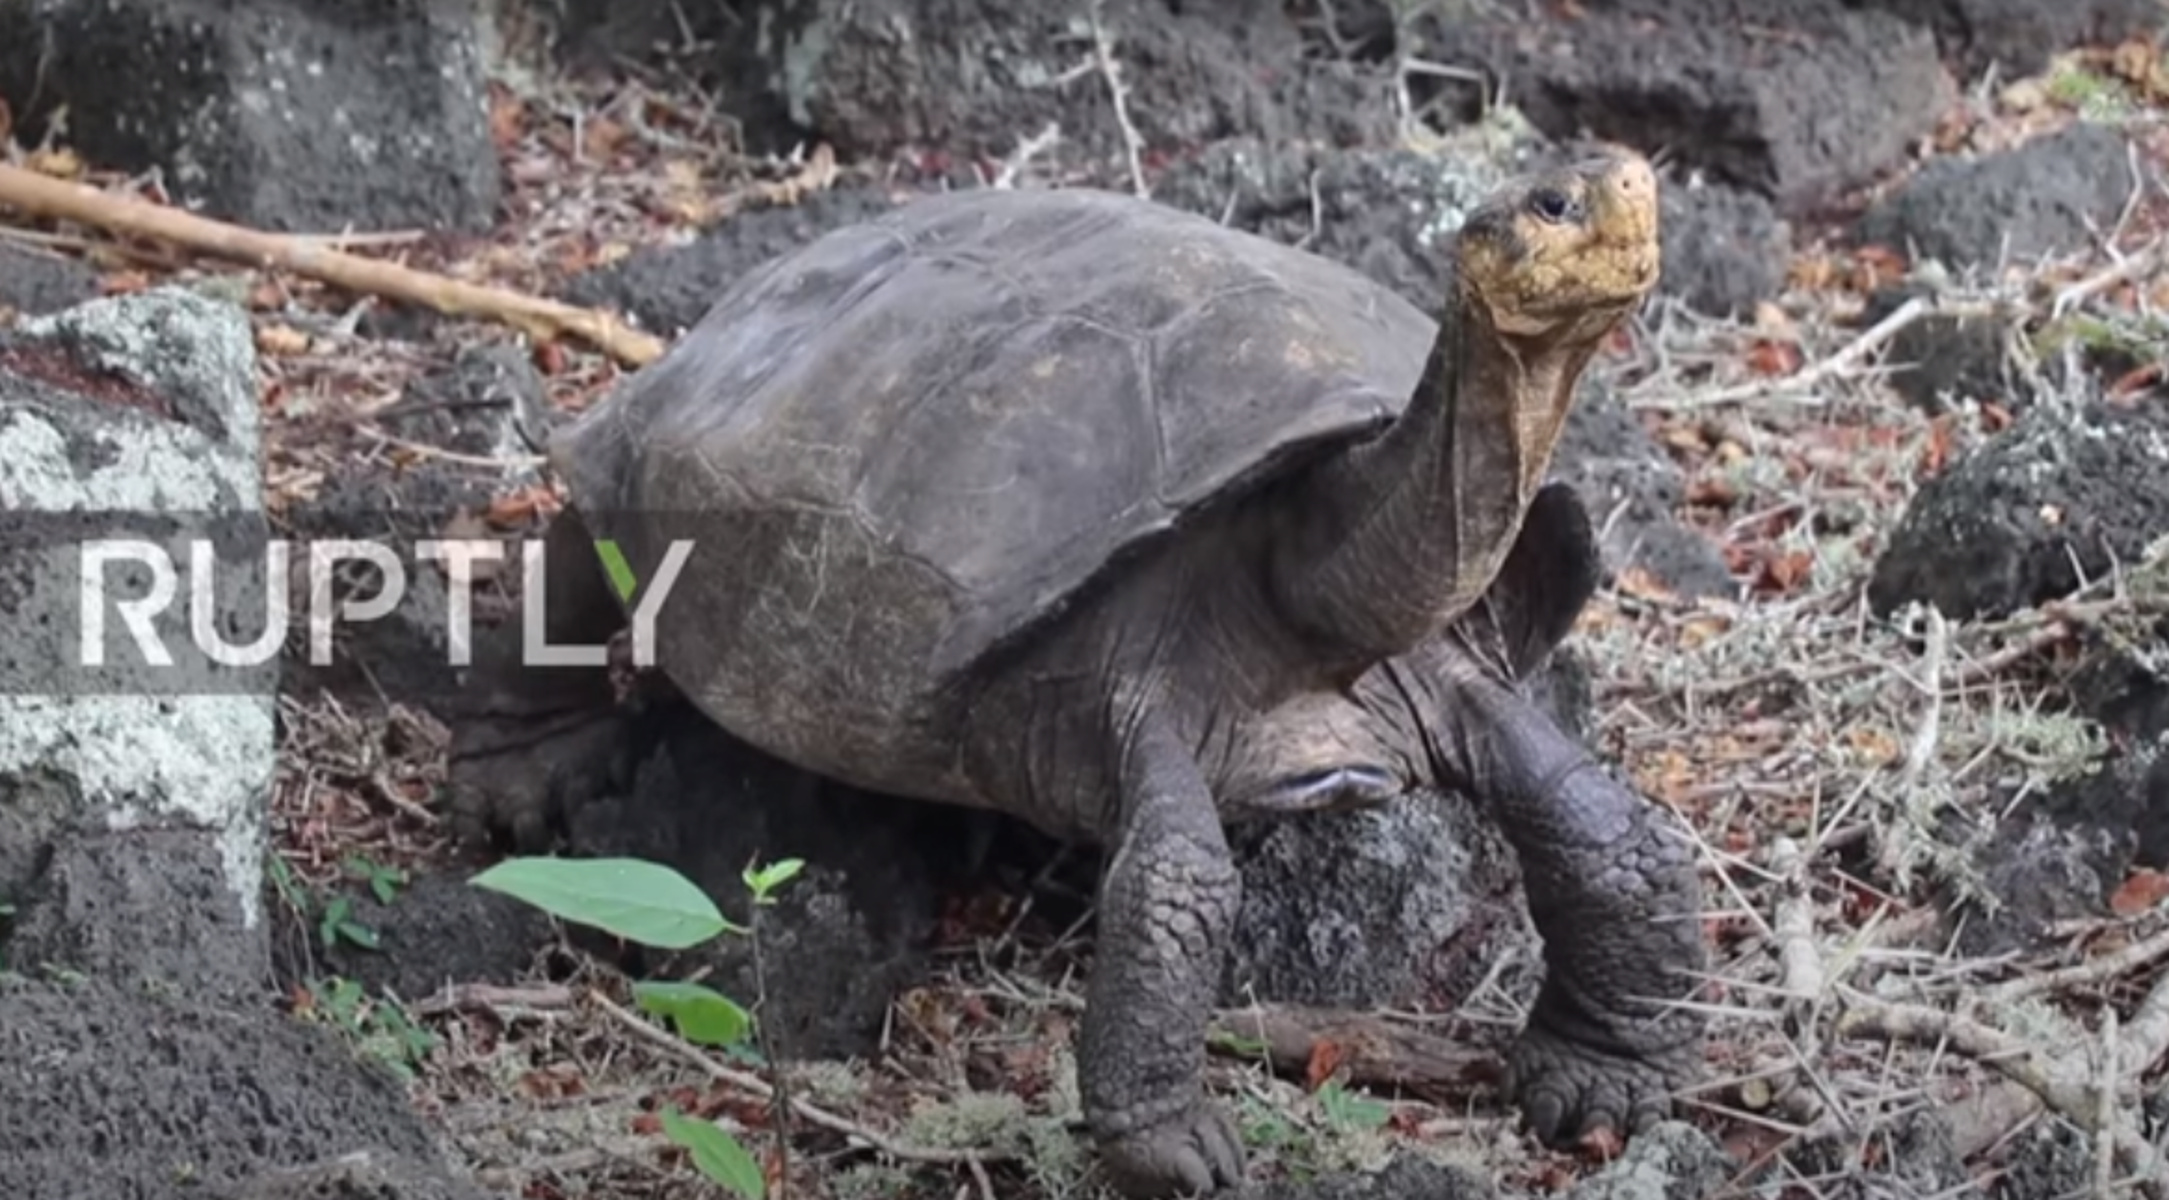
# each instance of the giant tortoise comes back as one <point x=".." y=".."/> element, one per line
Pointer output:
<point x="1080" y="508"/>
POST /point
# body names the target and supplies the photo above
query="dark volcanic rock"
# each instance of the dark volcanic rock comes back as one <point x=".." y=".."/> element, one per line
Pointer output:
<point x="295" y="115"/>
<point x="111" y="1089"/>
<point x="667" y="288"/>
<point x="2059" y="856"/>
<point x="38" y="281"/>
<point x="438" y="930"/>
<point x="1725" y="250"/>
<point x="1406" y="905"/>
<point x="1407" y="1177"/>
<point x="972" y="77"/>
<point x="1943" y="359"/>
<point x="2018" y="37"/>
<point x="2000" y="530"/>
<point x="2042" y="198"/>
<point x="843" y="938"/>
<point x="1795" y="102"/>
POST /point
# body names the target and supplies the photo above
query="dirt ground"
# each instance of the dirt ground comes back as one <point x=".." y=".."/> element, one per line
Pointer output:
<point x="1933" y="852"/>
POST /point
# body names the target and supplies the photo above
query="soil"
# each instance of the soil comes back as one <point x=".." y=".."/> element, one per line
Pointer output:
<point x="1898" y="813"/>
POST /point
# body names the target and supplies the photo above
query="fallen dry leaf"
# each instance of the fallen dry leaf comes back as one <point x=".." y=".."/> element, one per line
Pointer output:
<point x="2141" y="890"/>
<point x="281" y="341"/>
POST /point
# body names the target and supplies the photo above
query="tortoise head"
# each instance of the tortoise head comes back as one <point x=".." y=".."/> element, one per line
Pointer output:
<point x="1565" y="252"/>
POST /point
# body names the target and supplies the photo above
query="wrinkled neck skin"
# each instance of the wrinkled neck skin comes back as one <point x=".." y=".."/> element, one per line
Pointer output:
<point x="1403" y="532"/>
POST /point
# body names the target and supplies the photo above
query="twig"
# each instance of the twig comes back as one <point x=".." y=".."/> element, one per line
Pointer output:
<point x="1027" y="150"/>
<point x="2096" y="971"/>
<point x="760" y="1089"/>
<point x="1847" y="358"/>
<point x="543" y="320"/>
<point x="1103" y="53"/>
<point x="2142" y="262"/>
<point x="1867" y="1016"/>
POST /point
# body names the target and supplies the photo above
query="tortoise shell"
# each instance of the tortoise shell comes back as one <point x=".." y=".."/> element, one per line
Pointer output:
<point x="912" y="441"/>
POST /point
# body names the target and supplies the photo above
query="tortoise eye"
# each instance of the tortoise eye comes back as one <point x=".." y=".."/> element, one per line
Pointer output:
<point x="1551" y="205"/>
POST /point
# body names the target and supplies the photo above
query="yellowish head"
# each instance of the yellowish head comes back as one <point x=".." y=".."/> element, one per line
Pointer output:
<point x="1564" y="252"/>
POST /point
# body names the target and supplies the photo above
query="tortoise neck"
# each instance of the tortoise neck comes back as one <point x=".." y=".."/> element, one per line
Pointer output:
<point x="1402" y="532"/>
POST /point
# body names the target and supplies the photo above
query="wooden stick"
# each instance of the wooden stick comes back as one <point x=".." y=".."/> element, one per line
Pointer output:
<point x="540" y="319"/>
<point x="1372" y="1051"/>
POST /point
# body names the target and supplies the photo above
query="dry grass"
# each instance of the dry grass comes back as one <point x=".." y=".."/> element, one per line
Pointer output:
<point x="1837" y="770"/>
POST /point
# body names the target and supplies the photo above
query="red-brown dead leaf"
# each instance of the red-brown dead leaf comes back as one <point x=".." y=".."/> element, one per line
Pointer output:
<point x="600" y="137"/>
<point x="549" y="358"/>
<point x="1325" y="1058"/>
<point x="1602" y="1144"/>
<point x="1784" y="571"/>
<point x="2136" y="380"/>
<point x="508" y="117"/>
<point x="1640" y="584"/>
<point x="1770" y="357"/>
<point x="123" y="283"/>
<point x="2141" y="890"/>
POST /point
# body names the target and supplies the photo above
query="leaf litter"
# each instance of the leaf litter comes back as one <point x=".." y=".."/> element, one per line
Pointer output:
<point x="1835" y="769"/>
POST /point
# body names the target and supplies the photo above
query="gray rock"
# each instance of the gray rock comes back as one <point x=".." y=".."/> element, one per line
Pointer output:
<point x="114" y="416"/>
<point x="37" y="281"/>
<point x="1407" y="1177"/>
<point x="2017" y="37"/>
<point x="665" y="289"/>
<point x="370" y="1174"/>
<point x="1943" y="359"/>
<point x="1725" y="250"/>
<point x="293" y="115"/>
<point x="112" y="1089"/>
<point x="1796" y="102"/>
<point x="2045" y="197"/>
<point x="437" y="930"/>
<point x="1408" y="905"/>
<point x="2068" y="488"/>
<point x="970" y="78"/>
<point x="1633" y="490"/>
<point x="844" y="937"/>
<point x="1672" y="1160"/>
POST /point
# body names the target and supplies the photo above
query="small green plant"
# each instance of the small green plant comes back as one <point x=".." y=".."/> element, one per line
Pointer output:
<point x="382" y="1031"/>
<point x="653" y="905"/>
<point x="383" y="881"/>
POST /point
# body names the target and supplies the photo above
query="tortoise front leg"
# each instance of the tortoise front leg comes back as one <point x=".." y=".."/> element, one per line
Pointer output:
<point x="531" y="743"/>
<point x="1611" y="886"/>
<point x="1167" y="903"/>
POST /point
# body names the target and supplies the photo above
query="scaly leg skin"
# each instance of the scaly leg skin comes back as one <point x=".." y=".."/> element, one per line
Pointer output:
<point x="1613" y="892"/>
<point x="532" y="743"/>
<point x="1167" y="903"/>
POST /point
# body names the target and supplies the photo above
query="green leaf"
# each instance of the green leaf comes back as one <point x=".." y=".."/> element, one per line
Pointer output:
<point x="717" y="1154"/>
<point x="640" y="901"/>
<point x="767" y="879"/>
<point x="614" y="565"/>
<point x="702" y="1015"/>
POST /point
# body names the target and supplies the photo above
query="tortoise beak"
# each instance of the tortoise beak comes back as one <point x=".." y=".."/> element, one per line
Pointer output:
<point x="1624" y="204"/>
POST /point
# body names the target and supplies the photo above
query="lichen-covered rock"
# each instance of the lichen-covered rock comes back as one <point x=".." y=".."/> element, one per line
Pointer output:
<point x="118" y="418"/>
<point x="2069" y="487"/>
<point x="295" y="115"/>
<point x="2044" y="197"/>
<point x="1671" y="1160"/>
<point x="1793" y="101"/>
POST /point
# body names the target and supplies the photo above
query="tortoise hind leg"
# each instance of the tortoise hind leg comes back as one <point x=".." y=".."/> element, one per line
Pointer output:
<point x="530" y="742"/>
<point x="1167" y="903"/>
